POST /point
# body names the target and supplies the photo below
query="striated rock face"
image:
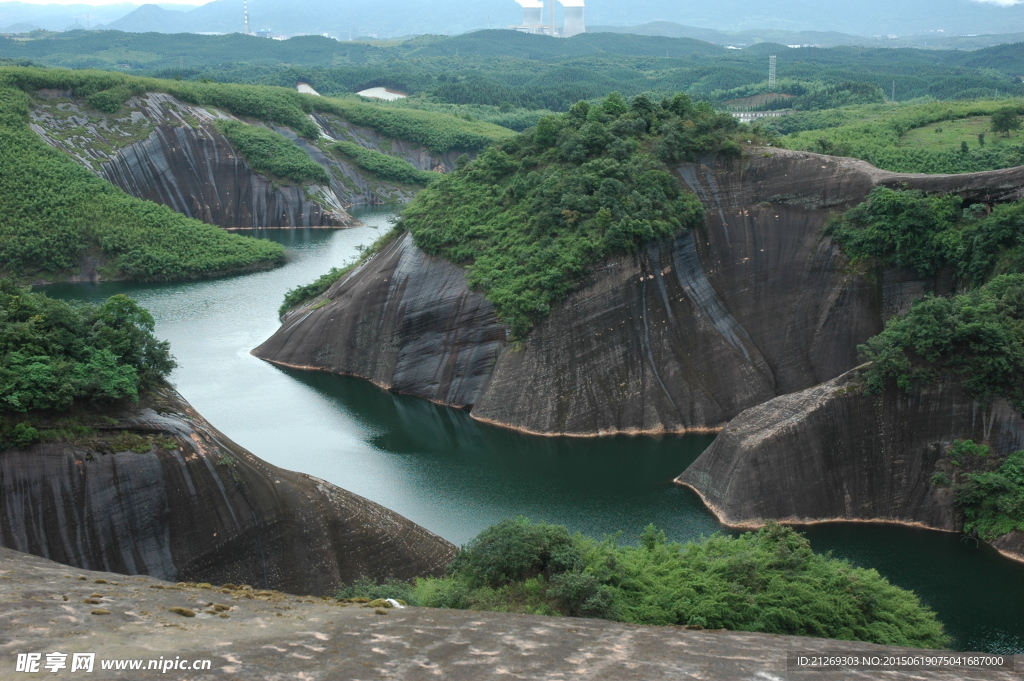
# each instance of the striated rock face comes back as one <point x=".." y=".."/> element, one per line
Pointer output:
<point x="832" y="452"/>
<point x="356" y="186"/>
<point x="198" y="507"/>
<point x="164" y="150"/>
<point x="406" y="321"/>
<point x="683" y="335"/>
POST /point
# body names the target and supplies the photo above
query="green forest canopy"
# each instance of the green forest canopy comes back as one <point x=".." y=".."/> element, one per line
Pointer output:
<point x="532" y="215"/>
<point x="54" y="354"/>
<point x="531" y="72"/>
<point x="769" y="581"/>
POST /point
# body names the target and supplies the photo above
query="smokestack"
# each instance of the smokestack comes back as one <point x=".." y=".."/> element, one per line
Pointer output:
<point x="574" y="24"/>
<point x="245" y="7"/>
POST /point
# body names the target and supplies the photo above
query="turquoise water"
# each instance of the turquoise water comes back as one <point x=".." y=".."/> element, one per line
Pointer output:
<point x="455" y="476"/>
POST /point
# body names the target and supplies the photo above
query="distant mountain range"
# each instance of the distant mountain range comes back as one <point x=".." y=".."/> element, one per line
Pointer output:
<point x="829" y="22"/>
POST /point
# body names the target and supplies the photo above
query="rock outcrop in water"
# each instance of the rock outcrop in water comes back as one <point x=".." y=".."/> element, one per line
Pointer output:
<point x="833" y="453"/>
<point x="189" y="504"/>
<point x="162" y="149"/>
<point x="683" y="335"/>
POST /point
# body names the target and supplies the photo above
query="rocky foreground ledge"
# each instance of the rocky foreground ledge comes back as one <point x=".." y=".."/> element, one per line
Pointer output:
<point x="47" y="607"/>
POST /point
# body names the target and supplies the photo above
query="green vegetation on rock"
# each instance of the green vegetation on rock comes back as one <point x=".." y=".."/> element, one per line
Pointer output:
<point x="531" y="216"/>
<point x="768" y="581"/>
<point x="384" y="166"/>
<point x="272" y="154"/>
<point x="993" y="501"/>
<point x="106" y="91"/>
<point x="55" y="213"/>
<point x="929" y="233"/>
<point x="53" y="354"/>
<point x="301" y="294"/>
<point x="976" y="335"/>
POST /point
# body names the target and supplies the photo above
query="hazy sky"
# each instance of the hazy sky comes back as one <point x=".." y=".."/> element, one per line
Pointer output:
<point x="114" y="2"/>
<point x="203" y="2"/>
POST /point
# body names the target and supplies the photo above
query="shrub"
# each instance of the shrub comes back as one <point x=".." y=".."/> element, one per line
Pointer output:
<point x="383" y="166"/>
<point x="993" y="502"/>
<point x="977" y="336"/>
<point x="768" y="581"/>
<point x="270" y="153"/>
<point x="53" y="354"/>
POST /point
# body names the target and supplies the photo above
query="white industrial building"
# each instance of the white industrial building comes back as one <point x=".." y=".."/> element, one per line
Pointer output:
<point x="534" y="18"/>
<point x="573" y="18"/>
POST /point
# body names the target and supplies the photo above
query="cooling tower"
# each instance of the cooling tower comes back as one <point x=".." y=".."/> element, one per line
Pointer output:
<point x="533" y="12"/>
<point x="573" y="18"/>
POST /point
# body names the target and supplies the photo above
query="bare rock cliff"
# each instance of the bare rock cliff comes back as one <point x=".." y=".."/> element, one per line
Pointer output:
<point x="683" y="335"/>
<point x="198" y="507"/>
<point x="164" y="150"/>
<point x="832" y="452"/>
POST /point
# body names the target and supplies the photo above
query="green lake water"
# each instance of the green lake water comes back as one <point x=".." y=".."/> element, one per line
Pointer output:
<point x="455" y="476"/>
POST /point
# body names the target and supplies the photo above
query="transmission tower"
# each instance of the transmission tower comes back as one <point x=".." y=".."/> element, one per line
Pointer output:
<point x="771" y="73"/>
<point x="245" y="5"/>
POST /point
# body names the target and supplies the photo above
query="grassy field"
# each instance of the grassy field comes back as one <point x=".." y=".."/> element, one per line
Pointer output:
<point x="949" y="134"/>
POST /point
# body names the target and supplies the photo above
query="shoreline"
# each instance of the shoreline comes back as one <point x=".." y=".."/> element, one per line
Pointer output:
<point x="632" y="432"/>
<point x="804" y="522"/>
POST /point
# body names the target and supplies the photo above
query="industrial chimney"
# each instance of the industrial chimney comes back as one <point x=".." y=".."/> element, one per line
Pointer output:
<point x="573" y="18"/>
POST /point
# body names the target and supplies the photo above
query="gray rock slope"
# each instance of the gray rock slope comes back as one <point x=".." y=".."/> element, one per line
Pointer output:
<point x="834" y="453"/>
<point x="196" y="506"/>
<point x="266" y="635"/>
<point x="683" y="335"/>
<point x="164" y="150"/>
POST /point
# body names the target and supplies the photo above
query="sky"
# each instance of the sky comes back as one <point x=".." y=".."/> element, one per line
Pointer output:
<point x="96" y="3"/>
<point x="196" y="3"/>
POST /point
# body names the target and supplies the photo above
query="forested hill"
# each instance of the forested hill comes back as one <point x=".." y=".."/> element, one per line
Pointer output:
<point x="494" y="68"/>
<point x="58" y="220"/>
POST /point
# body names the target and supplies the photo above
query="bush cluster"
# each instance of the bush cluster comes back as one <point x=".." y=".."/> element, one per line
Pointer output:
<point x="873" y="133"/>
<point x="53" y="354"/>
<point x="928" y="233"/>
<point x="977" y="336"/>
<point x="384" y="166"/>
<point x="768" y="581"/>
<point x="993" y="501"/>
<point x="532" y="215"/>
<point x="272" y="154"/>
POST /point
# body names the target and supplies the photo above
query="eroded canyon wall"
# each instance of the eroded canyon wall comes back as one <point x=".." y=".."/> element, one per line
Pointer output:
<point x="197" y="507"/>
<point x="164" y="150"/>
<point x="683" y="335"/>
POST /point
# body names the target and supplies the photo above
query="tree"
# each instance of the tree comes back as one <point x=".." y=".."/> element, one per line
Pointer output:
<point x="1005" y="121"/>
<point x="964" y="148"/>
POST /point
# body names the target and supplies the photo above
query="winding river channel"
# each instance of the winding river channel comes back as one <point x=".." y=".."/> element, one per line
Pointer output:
<point x="455" y="476"/>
